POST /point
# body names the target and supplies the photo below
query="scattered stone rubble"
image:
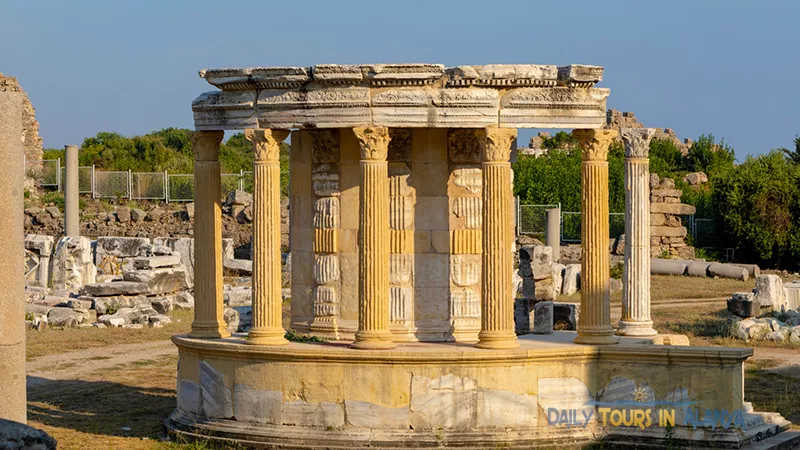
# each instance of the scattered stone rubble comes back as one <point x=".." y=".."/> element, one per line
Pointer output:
<point x="770" y="312"/>
<point x="616" y="120"/>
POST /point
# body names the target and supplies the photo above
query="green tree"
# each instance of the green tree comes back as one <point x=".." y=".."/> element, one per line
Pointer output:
<point x="705" y="155"/>
<point x="793" y="155"/>
<point x="665" y="158"/>
<point x="757" y="209"/>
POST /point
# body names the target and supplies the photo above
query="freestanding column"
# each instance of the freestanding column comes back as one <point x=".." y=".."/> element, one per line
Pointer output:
<point x="71" y="186"/>
<point x="12" y="303"/>
<point x="267" y="303"/>
<point x="208" y="321"/>
<point x="497" y="300"/>
<point x="373" y="241"/>
<point x="595" y="321"/>
<point x="552" y="232"/>
<point x="636" y="275"/>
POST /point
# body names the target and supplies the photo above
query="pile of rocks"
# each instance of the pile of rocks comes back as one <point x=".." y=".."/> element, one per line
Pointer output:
<point x="540" y="280"/>
<point x="770" y="312"/>
<point x="239" y="205"/>
<point x="616" y="120"/>
<point x="667" y="232"/>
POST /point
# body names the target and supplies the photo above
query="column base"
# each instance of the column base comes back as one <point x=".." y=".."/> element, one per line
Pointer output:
<point x="630" y="328"/>
<point x="266" y="336"/>
<point x="497" y="340"/>
<point x="209" y="331"/>
<point x="373" y="340"/>
<point x="597" y="338"/>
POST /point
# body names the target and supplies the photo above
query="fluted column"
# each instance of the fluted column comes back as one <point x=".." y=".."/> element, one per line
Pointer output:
<point x="636" y="275"/>
<point x="208" y="320"/>
<point x="497" y="300"/>
<point x="373" y="241"/>
<point x="266" y="328"/>
<point x="595" y="321"/>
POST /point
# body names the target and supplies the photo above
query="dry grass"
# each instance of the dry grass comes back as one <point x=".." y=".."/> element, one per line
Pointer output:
<point x="47" y="342"/>
<point x="94" y="412"/>
<point x="773" y="392"/>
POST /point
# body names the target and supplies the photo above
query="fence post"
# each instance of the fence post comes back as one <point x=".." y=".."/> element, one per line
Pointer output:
<point x="58" y="174"/>
<point x="166" y="192"/>
<point x="241" y="179"/>
<point x="130" y="185"/>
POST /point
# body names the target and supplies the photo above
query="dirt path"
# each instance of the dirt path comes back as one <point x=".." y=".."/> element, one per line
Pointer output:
<point x="784" y="361"/>
<point x="74" y="365"/>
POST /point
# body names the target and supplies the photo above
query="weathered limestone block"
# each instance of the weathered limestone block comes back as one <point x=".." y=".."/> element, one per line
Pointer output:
<point x="242" y="267"/>
<point x="743" y="304"/>
<point x="155" y="262"/>
<point x="237" y="295"/>
<point x="257" y="406"/>
<point x="184" y="246"/>
<point x="543" y="318"/>
<point x="562" y="394"/>
<point x="327" y="212"/>
<point x="465" y="270"/>
<point x="105" y="304"/>
<point x="371" y="416"/>
<point x="66" y="317"/>
<point x="215" y="396"/>
<point x="38" y="250"/>
<point x="326" y="268"/>
<point x="72" y="263"/>
<point x="159" y="281"/>
<point x="323" y="414"/>
<point x="503" y="409"/>
<point x="558" y="277"/>
<point x="114" y="255"/>
<point x="572" y="279"/>
<point x="792" y="293"/>
<point x="769" y="292"/>
<point x="449" y="401"/>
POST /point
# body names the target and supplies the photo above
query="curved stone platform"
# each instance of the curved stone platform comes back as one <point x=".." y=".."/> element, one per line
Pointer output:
<point x="311" y="395"/>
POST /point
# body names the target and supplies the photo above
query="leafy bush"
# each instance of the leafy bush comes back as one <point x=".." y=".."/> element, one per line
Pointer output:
<point x="757" y="209"/>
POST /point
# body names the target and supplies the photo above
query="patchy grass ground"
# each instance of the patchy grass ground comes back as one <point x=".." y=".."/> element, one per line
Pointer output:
<point x="770" y="391"/>
<point x="47" y="342"/>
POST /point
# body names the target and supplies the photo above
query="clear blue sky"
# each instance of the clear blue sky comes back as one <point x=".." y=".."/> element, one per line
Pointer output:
<point x="723" y="67"/>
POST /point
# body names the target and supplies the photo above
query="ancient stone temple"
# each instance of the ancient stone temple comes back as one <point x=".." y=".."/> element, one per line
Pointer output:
<point x="402" y="240"/>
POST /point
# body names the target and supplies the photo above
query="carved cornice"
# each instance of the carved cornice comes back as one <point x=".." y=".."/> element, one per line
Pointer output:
<point x="595" y="143"/>
<point x="637" y="141"/>
<point x="403" y="96"/>
<point x="206" y="145"/>
<point x="464" y="145"/>
<point x="266" y="143"/>
<point x="497" y="146"/>
<point x="374" y="142"/>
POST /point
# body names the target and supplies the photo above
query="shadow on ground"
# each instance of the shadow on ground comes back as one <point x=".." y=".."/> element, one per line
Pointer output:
<point x="100" y="407"/>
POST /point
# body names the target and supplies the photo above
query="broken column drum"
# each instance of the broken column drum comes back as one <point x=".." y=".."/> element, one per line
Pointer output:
<point x="401" y="246"/>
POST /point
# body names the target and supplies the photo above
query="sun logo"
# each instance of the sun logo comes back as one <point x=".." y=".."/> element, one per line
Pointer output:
<point x="640" y="395"/>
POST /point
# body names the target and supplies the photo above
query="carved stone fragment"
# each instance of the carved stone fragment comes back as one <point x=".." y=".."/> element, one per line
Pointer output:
<point x="326" y="268"/>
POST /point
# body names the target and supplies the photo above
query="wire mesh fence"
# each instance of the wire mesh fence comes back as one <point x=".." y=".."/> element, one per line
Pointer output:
<point x="85" y="179"/>
<point x="148" y="185"/>
<point x="571" y="226"/>
<point x="51" y="173"/>
<point x="112" y="185"/>
<point x="532" y="219"/>
<point x="180" y="187"/>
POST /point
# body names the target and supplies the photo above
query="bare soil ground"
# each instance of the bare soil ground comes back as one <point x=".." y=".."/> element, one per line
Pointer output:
<point x="112" y="388"/>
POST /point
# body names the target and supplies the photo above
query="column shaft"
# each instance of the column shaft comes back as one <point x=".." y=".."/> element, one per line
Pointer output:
<point x="71" y="189"/>
<point x="208" y="312"/>
<point x="497" y="300"/>
<point x="12" y="303"/>
<point x="595" y="320"/>
<point x="636" y="275"/>
<point x="267" y="326"/>
<point x="373" y="241"/>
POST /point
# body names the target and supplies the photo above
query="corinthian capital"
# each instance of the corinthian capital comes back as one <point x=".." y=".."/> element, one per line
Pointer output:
<point x="266" y="142"/>
<point x="637" y="141"/>
<point x="497" y="146"/>
<point x="374" y="142"/>
<point x="595" y="143"/>
<point x="206" y="145"/>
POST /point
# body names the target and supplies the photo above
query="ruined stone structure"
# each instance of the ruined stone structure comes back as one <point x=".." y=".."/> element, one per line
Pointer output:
<point x="616" y="120"/>
<point x="401" y="230"/>
<point x="667" y="233"/>
<point x="31" y="141"/>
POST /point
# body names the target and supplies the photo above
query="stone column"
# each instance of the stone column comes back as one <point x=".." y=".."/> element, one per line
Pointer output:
<point x="208" y="309"/>
<point x="552" y="232"/>
<point x="595" y="321"/>
<point x="267" y="303"/>
<point x="636" y="274"/>
<point x="71" y="187"/>
<point x="12" y="303"/>
<point x="373" y="241"/>
<point x="497" y="300"/>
